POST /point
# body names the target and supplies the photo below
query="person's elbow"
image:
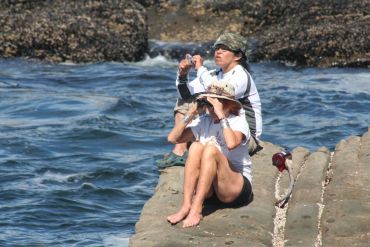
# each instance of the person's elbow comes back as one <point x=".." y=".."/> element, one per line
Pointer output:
<point x="232" y="145"/>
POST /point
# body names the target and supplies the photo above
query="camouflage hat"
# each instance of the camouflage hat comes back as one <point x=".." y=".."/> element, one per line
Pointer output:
<point x="234" y="41"/>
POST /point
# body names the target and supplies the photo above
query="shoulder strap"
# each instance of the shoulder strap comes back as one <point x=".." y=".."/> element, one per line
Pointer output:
<point x="216" y="72"/>
<point x="246" y="93"/>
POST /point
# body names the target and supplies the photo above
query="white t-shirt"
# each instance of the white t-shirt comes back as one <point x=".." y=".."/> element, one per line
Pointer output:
<point x="205" y="130"/>
<point x="239" y="78"/>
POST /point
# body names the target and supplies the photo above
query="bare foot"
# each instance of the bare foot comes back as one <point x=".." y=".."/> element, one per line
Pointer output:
<point x="179" y="216"/>
<point x="193" y="219"/>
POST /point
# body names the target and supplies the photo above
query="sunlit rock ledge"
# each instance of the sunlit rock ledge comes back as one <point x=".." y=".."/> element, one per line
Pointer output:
<point x="329" y="206"/>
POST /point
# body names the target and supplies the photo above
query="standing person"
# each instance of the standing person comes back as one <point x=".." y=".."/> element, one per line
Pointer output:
<point x="230" y="56"/>
<point x="218" y="167"/>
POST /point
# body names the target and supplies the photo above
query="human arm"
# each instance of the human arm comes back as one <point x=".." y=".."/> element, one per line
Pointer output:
<point x="182" y="79"/>
<point x="185" y="87"/>
<point x="180" y="132"/>
<point x="198" y="62"/>
<point x="233" y="138"/>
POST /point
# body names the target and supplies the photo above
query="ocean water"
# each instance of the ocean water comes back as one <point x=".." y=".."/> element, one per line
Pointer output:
<point x="79" y="142"/>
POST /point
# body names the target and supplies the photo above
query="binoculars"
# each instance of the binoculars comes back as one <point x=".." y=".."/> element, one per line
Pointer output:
<point x="203" y="102"/>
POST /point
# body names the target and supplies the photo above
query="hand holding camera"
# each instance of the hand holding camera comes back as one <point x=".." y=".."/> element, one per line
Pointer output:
<point x="195" y="61"/>
<point x="190" y="59"/>
<point x="186" y="64"/>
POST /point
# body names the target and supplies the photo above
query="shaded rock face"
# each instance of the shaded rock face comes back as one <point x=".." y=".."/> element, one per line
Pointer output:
<point x="307" y="33"/>
<point x="78" y="31"/>
<point x="315" y="33"/>
<point x="196" y="21"/>
<point x="329" y="206"/>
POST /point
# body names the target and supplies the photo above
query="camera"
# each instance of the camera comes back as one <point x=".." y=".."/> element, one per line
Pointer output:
<point x="203" y="102"/>
<point x="190" y="59"/>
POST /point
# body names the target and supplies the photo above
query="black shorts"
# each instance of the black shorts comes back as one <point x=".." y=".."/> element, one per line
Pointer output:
<point x="245" y="197"/>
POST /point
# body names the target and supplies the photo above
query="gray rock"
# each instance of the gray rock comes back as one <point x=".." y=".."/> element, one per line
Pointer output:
<point x="347" y="199"/>
<point x="303" y="210"/>
<point x="251" y="225"/>
<point x="306" y="33"/>
<point x="330" y="204"/>
<point x="315" y="33"/>
<point x="77" y="31"/>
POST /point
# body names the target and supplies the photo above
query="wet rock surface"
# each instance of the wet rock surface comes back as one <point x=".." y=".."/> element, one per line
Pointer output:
<point x="329" y="206"/>
<point x="77" y="31"/>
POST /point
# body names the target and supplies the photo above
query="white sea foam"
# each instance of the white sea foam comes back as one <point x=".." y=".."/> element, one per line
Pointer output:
<point x="52" y="177"/>
<point x="68" y="63"/>
<point x="40" y="182"/>
<point x="158" y="61"/>
<point x="88" y="186"/>
<point x="163" y="62"/>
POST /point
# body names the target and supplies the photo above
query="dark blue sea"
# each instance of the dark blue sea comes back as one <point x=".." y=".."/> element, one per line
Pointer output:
<point x="78" y="142"/>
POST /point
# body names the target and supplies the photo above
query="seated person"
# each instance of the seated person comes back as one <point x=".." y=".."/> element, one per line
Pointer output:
<point x="231" y="57"/>
<point x="218" y="168"/>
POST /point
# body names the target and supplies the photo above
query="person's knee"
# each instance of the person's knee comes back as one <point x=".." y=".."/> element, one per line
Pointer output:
<point x="196" y="147"/>
<point x="210" y="152"/>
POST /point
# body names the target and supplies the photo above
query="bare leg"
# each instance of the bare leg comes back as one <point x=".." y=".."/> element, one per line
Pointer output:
<point x="191" y="174"/>
<point x="215" y="170"/>
<point x="179" y="148"/>
<point x="206" y="176"/>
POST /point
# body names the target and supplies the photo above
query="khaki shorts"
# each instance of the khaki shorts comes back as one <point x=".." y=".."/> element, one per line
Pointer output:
<point x="183" y="106"/>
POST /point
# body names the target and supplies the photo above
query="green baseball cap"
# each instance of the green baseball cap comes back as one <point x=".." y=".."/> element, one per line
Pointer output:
<point x="234" y="41"/>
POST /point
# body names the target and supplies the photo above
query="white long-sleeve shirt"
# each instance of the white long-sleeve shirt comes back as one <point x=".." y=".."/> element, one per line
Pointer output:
<point x="245" y="91"/>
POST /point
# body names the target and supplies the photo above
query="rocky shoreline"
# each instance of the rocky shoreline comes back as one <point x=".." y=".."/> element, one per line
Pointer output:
<point x="305" y="33"/>
<point x="73" y="31"/>
<point x="329" y="206"/>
